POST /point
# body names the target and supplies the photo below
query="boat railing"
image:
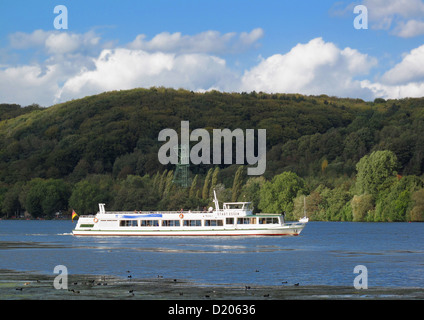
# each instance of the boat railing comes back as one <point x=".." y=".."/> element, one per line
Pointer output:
<point x="150" y="212"/>
<point x="172" y="212"/>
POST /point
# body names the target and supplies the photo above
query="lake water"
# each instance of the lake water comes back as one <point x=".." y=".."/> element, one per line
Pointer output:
<point x="326" y="253"/>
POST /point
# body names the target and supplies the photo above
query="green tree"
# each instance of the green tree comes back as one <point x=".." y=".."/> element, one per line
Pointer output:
<point x="168" y="183"/>
<point x="361" y="205"/>
<point x="206" y="185"/>
<point x="162" y="182"/>
<point x="417" y="212"/>
<point x="278" y="194"/>
<point x="237" y="184"/>
<point x="396" y="202"/>
<point x="45" y="197"/>
<point x="333" y="202"/>
<point x="313" y="204"/>
<point x="56" y="196"/>
<point x="250" y="191"/>
<point x="11" y="205"/>
<point x="193" y="187"/>
<point x="214" y="179"/>
<point x="136" y="193"/>
<point x="86" y="196"/>
<point x="375" y="172"/>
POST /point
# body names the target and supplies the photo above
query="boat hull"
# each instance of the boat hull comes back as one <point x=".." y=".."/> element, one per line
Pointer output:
<point x="235" y="219"/>
<point x="292" y="230"/>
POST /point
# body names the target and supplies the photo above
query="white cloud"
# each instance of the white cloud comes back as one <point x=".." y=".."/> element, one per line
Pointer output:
<point x="317" y="67"/>
<point x="22" y="40"/>
<point x="77" y="65"/>
<point x="125" y="69"/>
<point x="410" y="69"/>
<point x="389" y="9"/>
<point x="406" y="79"/>
<point x="62" y="43"/>
<point x="29" y="84"/>
<point x="403" y="18"/>
<point x="412" y="89"/>
<point x="55" y="42"/>
<point x="251" y="37"/>
<point x="83" y="66"/>
<point x="204" y="42"/>
<point x="409" y="29"/>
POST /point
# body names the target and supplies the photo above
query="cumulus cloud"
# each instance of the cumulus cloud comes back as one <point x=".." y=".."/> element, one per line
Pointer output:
<point x="205" y="42"/>
<point x="62" y="43"/>
<point x="403" y="18"/>
<point x="316" y="67"/>
<point x="77" y="65"/>
<point x="54" y="42"/>
<point x="29" y="84"/>
<point x="122" y="68"/>
<point x="409" y="29"/>
<point x="410" y="69"/>
<point x="406" y="79"/>
<point x="379" y="89"/>
<point x="22" y="40"/>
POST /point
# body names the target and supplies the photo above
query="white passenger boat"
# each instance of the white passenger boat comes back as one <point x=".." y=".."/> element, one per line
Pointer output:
<point x="234" y="219"/>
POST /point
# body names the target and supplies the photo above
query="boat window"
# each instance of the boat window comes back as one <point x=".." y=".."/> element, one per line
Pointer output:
<point x="149" y="223"/>
<point x="128" y="223"/>
<point x="246" y="220"/>
<point x="192" y="223"/>
<point x="268" y="220"/>
<point x="214" y="223"/>
<point x="87" y="226"/>
<point x="170" y="223"/>
<point x="229" y="221"/>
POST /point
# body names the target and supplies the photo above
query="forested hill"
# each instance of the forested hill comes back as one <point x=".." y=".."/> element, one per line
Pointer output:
<point x="104" y="148"/>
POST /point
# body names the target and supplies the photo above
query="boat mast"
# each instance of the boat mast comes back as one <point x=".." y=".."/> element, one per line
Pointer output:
<point x="215" y="200"/>
<point x="102" y="208"/>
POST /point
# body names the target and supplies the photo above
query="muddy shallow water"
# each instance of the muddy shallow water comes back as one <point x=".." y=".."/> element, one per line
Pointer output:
<point x="26" y="285"/>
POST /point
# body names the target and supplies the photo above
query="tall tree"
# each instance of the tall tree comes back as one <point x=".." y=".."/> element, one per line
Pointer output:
<point x="374" y="172"/>
<point x="237" y="183"/>
<point x="205" y="192"/>
<point x="193" y="187"/>
<point x="45" y="197"/>
<point x="85" y="197"/>
<point x="278" y="194"/>
<point x="214" y="180"/>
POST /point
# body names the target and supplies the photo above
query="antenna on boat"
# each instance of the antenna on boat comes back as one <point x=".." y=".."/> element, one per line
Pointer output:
<point x="215" y="199"/>
<point x="101" y="207"/>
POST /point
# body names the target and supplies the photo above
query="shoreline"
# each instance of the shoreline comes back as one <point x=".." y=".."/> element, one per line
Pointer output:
<point x="15" y="285"/>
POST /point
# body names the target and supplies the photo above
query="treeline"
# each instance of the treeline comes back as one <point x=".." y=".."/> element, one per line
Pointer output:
<point x="346" y="159"/>
<point x="377" y="194"/>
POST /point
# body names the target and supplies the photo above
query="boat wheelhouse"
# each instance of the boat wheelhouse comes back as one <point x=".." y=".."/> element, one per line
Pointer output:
<point x="234" y="219"/>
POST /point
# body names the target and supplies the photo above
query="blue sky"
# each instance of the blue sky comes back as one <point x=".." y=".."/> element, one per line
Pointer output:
<point x="308" y="47"/>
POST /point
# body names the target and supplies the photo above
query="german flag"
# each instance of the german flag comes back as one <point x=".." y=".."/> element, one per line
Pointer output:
<point x="74" y="215"/>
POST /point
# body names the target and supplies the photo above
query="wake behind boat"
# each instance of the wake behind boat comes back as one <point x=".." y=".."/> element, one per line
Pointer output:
<point x="234" y="219"/>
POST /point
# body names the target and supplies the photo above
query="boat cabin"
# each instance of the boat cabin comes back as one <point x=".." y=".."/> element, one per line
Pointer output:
<point x="243" y="206"/>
